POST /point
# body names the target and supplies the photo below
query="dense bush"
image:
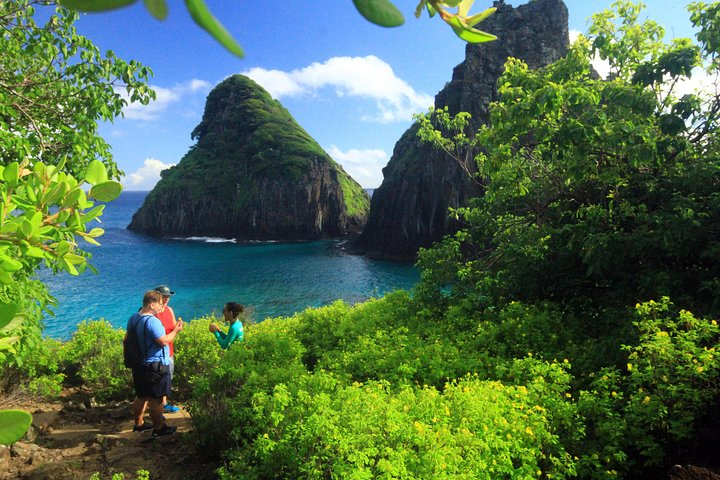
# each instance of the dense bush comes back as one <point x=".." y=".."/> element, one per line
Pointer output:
<point x="42" y="370"/>
<point x="317" y="428"/>
<point x="273" y="410"/>
<point x="196" y="355"/>
<point x="650" y="413"/>
<point x="221" y="407"/>
<point x="93" y="357"/>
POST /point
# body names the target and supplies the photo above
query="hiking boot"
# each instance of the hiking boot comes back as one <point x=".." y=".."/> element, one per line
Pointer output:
<point x="143" y="427"/>
<point x="171" y="409"/>
<point x="165" y="430"/>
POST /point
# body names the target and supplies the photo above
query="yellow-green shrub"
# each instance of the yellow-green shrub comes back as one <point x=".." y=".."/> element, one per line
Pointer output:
<point x="317" y="427"/>
<point x="94" y="355"/>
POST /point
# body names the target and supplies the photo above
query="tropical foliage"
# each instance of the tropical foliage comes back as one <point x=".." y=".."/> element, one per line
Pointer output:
<point x="602" y="191"/>
<point x="550" y="311"/>
<point x="551" y="338"/>
<point x="55" y="86"/>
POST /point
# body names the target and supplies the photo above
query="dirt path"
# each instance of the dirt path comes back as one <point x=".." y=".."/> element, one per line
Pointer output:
<point x="75" y="438"/>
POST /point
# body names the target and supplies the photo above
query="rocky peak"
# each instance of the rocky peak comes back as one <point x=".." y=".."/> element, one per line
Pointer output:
<point x="254" y="174"/>
<point x="410" y="209"/>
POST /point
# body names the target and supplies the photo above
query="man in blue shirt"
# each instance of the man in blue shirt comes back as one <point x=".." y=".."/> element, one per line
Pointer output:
<point x="151" y="380"/>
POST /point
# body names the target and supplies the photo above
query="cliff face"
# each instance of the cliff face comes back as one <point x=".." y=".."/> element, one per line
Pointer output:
<point x="254" y="174"/>
<point x="410" y="209"/>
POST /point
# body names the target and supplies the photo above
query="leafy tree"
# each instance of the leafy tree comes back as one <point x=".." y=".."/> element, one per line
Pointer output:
<point x="600" y="192"/>
<point x="379" y="12"/>
<point x="54" y="88"/>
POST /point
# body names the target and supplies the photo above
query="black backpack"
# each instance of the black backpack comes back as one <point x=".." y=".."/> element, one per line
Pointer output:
<point x="133" y="355"/>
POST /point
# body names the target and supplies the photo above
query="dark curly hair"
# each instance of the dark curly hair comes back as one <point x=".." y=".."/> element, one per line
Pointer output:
<point x="235" y="308"/>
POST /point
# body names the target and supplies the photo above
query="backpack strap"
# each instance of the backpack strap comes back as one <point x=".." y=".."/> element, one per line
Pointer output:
<point x="145" y="326"/>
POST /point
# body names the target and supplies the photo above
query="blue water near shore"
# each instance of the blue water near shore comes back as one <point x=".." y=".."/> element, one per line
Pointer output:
<point x="272" y="279"/>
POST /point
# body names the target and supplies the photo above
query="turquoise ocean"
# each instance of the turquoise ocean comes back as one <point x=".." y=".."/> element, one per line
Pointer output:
<point x="270" y="278"/>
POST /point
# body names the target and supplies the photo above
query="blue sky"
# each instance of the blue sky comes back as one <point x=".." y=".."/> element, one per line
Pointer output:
<point x="352" y="85"/>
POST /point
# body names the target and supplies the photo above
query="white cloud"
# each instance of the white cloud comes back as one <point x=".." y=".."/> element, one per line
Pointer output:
<point x="365" y="166"/>
<point x="601" y="66"/>
<point x="164" y="98"/>
<point x="196" y="85"/>
<point x="363" y="77"/>
<point x="700" y="83"/>
<point x="145" y="177"/>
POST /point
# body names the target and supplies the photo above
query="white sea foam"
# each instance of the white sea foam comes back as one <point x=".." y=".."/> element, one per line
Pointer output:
<point x="207" y="239"/>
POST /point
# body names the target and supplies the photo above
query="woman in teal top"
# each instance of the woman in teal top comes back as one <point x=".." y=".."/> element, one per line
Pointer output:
<point x="231" y="312"/>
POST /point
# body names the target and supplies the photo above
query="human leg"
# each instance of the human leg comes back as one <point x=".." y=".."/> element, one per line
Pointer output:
<point x="160" y="390"/>
<point x="138" y="408"/>
<point x="140" y="402"/>
<point x="156" y="412"/>
<point x="167" y="407"/>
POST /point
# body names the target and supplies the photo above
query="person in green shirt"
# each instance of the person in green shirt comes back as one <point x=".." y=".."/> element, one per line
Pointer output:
<point x="231" y="313"/>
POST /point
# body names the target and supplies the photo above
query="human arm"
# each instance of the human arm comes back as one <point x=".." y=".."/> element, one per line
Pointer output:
<point x="234" y="333"/>
<point x="167" y="338"/>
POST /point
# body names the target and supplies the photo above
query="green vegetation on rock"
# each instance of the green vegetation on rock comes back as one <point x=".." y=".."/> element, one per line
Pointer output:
<point x="254" y="173"/>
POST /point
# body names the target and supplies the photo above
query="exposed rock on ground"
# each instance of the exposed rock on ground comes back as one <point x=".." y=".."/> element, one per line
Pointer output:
<point x="67" y="441"/>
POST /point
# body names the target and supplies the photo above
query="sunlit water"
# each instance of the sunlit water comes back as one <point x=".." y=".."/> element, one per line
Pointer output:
<point x="273" y="279"/>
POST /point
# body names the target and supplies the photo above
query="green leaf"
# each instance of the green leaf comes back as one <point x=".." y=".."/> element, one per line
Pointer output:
<point x="7" y="313"/>
<point x="202" y="16"/>
<point x="14" y="424"/>
<point x="62" y="247"/>
<point x="8" y="343"/>
<point x="14" y="325"/>
<point x="9" y="264"/>
<point x="74" y="258"/>
<point x="56" y="193"/>
<point x="475" y="19"/>
<point x="73" y="197"/>
<point x="464" y="7"/>
<point x="467" y="33"/>
<point x="380" y="12"/>
<point x="69" y="267"/>
<point x="11" y="174"/>
<point x="26" y="228"/>
<point x="95" y="5"/>
<point x="106" y="191"/>
<point x="96" y="173"/>
<point x="91" y="240"/>
<point x="157" y="8"/>
<point x="36" y="220"/>
<point x="419" y="9"/>
<point x="93" y="214"/>
<point x="32" y="251"/>
<point x="39" y="170"/>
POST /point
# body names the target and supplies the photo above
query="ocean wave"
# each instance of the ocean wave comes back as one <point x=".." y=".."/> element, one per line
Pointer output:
<point x="207" y="239"/>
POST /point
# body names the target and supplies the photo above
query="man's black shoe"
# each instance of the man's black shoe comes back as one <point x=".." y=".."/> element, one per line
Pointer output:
<point x="143" y="427"/>
<point x="165" y="430"/>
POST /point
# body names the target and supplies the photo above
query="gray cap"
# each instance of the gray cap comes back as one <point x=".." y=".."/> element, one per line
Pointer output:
<point x="164" y="290"/>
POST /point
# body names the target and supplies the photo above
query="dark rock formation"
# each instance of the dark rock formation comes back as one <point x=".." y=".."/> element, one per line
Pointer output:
<point x="253" y="174"/>
<point x="410" y="209"/>
<point x="691" y="472"/>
